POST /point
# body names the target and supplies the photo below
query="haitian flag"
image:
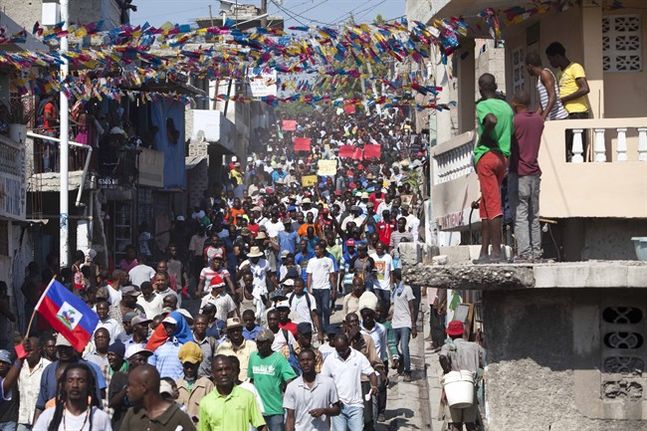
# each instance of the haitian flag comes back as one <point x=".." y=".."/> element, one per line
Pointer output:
<point x="68" y="315"/>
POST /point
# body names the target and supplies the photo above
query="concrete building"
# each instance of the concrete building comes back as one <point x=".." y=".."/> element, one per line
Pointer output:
<point x="565" y="340"/>
<point x="26" y="13"/>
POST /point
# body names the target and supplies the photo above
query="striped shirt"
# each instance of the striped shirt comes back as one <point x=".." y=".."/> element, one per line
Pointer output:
<point x="165" y="359"/>
<point x="558" y="112"/>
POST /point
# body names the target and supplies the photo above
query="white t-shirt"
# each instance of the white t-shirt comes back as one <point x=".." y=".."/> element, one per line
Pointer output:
<point x="347" y="375"/>
<point x="383" y="269"/>
<point x="401" y="313"/>
<point x="140" y="274"/>
<point x="100" y="421"/>
<point x="224" y="305"/>
<point x="280" y="341"/>
<point x="153" y="307"/>
<point x="300" y="309"/>
<point x="320" y="268"/>
<point x="259" y="270"/>
<point x="273" y="229"/>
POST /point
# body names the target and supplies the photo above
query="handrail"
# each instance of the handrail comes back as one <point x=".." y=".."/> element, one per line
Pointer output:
<point x="86" y="165"/>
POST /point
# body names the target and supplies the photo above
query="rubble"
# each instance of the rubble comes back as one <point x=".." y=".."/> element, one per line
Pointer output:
<point x="468" y="277"/>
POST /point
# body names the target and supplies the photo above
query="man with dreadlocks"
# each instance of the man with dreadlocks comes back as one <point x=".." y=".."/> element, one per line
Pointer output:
<point x="76" y="404"/>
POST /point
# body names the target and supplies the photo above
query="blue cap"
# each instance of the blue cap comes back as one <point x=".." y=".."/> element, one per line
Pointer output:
<point x="5" y="356"/>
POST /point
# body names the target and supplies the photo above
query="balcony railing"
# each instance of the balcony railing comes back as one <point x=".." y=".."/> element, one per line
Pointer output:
<point x="606" y="177"/>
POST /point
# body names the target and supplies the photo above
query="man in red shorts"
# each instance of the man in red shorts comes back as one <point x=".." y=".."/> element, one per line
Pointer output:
<point x="495" y="128"/>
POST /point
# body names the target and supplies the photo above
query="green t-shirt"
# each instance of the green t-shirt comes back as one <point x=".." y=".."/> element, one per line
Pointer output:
<point x="269" y="375"/>
<point x="502" y="133"/>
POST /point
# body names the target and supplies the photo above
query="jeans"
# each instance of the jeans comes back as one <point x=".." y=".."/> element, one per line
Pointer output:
<point x="7" y="426"/>
<point x="351" y="418"/>
<point x="274" y="422"/>
<point x="24" y="427"/>
<point x="402" y="337"/>
<point x="322" y="297"/>
<point x="524" y="198"/>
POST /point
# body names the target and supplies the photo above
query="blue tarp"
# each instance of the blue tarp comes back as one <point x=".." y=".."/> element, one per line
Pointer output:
<point x="168" y="116"/>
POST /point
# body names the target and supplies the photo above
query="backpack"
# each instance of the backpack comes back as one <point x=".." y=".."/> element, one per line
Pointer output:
<point x="307" y="300"/>
<point x="293" y="359"/>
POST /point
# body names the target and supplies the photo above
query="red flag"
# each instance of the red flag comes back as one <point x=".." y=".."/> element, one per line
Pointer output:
<point x="349" y="108"/>
<point x="372" y="151"/>
<point x="358" y="154"/>
<point x="301" y="144"/>
<point x="346" y="151"/>
<point x="289" y="125"/>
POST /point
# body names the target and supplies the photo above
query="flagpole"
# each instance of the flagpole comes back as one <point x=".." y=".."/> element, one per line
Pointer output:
<point x="33" y="314"/>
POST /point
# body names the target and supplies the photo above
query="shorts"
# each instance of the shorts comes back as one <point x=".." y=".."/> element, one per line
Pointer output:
<point x="491" y="169"/>
<point x="461" y="416"/>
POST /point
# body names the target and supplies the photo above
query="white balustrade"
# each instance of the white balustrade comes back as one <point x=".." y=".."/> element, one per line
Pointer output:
<point x="642" y="144"/>
<point x="453" y="164"/>
<point x="599" y="147"/>
<point x="621" y="146"/>
<point x="578" y="146"/>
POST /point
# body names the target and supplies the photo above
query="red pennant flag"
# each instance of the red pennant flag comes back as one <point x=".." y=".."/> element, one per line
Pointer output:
<point x="372" y="151"/>
<point x="349" y="108"/>
<point x="346" y="151"/>
<point x="289" y="125"/>
<point x="301" y="144"/>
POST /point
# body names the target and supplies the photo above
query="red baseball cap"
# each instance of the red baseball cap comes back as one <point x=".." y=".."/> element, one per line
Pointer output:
<point x="216" y="281"/>
<point x="350" y="243"/>
<point x="455" y="328"/>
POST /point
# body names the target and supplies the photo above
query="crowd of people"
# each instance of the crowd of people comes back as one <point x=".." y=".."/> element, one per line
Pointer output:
<point x="279" y="303"/>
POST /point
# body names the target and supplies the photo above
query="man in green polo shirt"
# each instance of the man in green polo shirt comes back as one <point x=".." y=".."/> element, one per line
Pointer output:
<point x="495" y="127"/>
<point x="228" y="407"/>
<point x="151" y="411"/>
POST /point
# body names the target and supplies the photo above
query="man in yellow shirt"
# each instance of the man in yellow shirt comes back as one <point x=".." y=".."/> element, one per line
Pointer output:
<point x="573" y="89"/>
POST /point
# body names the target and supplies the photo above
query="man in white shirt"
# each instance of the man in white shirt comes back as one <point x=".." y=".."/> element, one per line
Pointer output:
<point x="413" y="222"/>
<point x="141" y="273"/>
<point x="259" y="267"/>
<point x="225" y="305"/>
<point x="29" y="383"/>
<point x="149" y="301"/>
<point x="304" y="307"/>
<point x="162" y="289"/>
<point x="404" y="322"/>
<point x="113" y="327"/>
<point x="274" y="226"/>
<point x="346" y="367"/>
<point x="383" y="275"/>
<point x="321" y="278"/>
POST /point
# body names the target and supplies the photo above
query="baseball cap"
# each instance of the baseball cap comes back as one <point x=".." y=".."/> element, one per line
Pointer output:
<point x="282" y="304"/>
<point x="234" y="322"/>
<point x="186" y="313"/>
<point x="350" y="242"/>
<point x="130" y="291"/>
<point x="169" y="319"/>
<point x="285" y="254"/>
<point x="165" y="388"/>
<point x="190" y="352"/>
<point x="128" y="317"/>
<point x="134" y="349"/>
<point x="455" y="328"/>
<point x="5" y="356"/>
<point x="62" y="341"/>
<point x="137" y="320"/>
<point x="265" y="335"/>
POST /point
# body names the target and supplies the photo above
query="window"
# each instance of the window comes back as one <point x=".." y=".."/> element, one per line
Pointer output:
<point x="518" y="70"/>
<point x="621" y="43"/>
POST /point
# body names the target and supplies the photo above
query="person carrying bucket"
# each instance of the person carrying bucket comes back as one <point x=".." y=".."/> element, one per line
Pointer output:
<point x="460" y="360"/>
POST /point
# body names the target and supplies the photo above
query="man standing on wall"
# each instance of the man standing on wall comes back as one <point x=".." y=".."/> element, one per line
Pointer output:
<point x="495" y="124"/>
<point x="573" y="88"/>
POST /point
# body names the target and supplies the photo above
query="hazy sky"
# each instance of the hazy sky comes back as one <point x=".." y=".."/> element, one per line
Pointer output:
<point x="157" y="12"/>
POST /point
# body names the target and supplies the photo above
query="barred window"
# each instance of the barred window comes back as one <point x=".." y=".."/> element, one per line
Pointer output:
<point x="621" y="43"/>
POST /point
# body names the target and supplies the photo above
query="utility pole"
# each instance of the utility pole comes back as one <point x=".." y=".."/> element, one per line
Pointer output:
<point x="264" y="13"/>
<point x="64" y="147"/>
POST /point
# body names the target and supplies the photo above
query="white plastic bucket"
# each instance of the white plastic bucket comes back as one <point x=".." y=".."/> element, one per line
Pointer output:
<point x="459" y="389"/>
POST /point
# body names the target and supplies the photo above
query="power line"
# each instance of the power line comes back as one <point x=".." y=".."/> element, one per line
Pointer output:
<point x="367" y="11"/>
<point x="352" y="10"/>
<point x="294" y="16"/>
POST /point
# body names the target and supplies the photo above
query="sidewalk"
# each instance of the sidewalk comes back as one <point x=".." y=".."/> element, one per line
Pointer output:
<point x="434" y="372"/>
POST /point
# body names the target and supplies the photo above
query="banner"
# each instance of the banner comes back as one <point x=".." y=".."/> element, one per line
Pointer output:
<point x="289" y="125"/>
<point x="358" y="154"/>
<point x="309" y="181"/>
<point x="372" y="151"/>
<point x="301" y="144"/>
<point x="349" y="108"/>
<point x="346" y="151"/>
<point x="327" y="168"/>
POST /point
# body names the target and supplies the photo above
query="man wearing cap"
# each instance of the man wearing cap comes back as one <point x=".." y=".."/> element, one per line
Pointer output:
<point x="259" y="267"/>
<point x="29" y="382"/>
<point x="270" y="372"/>
<point x="216" y="267"/>
<point x="457" y="355"/>
<point x="139" y="327"/>
<point x="117" y="382"/>
<point x="165" y="357"/>
<point x="48" y="382"/>
<point x="136" y="355"/>
<point x="9" y="374"/>
<point x="237" y="345"/>
<point x="225" y="305"/>
<point x="191" y="387"/>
